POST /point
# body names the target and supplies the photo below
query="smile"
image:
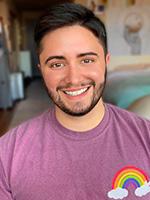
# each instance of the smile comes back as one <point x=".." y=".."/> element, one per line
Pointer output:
<point x="77" y="92"/>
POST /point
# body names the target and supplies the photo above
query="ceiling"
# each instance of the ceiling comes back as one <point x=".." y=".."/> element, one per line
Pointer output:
<point x="36" y="4"/>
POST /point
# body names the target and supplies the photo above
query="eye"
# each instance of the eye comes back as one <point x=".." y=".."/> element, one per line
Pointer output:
<point x="87" y="61"/>
<point x="56" y="65"/>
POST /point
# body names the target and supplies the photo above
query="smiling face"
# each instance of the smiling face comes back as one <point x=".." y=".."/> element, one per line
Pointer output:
<point x="73" y="66"/>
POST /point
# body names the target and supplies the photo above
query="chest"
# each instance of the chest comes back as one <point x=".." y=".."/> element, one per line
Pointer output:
<point x="87" y="170"/>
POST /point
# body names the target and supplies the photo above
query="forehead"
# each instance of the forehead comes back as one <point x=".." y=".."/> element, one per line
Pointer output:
<point x="70" y="33"/>
<point x="70" y="40"/>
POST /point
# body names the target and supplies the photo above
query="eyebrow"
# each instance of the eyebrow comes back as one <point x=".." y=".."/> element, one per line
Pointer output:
<point x="63" y="58"/>
<point x="87" y="54"/>
<point x="54" y="57"/>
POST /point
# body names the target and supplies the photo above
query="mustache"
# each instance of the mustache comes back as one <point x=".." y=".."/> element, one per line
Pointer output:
<point x="69" y="85"/>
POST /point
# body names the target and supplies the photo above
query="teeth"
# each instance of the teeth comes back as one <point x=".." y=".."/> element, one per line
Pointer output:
<point x="75" y="93"/>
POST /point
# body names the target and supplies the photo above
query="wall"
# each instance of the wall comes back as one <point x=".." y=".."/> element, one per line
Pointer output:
<point x="4" y="13"/>
<point x="11" y="26"/>
<point x="128" y="29"/>
<point x="129" y="62"/>
<point x="121" y="15"/>
<point x="83" y="2"/>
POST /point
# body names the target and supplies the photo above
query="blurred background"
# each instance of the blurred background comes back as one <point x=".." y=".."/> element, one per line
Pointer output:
<point x="22" y="94"/>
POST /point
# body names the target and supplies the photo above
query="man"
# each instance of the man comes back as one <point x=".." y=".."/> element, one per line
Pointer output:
<point x="82" y="149"/>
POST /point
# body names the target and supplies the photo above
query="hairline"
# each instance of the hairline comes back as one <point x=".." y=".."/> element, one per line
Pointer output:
<point x="39" y="48"/>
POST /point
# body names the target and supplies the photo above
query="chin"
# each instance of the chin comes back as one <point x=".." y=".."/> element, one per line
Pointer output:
<point x="79" y="111"/>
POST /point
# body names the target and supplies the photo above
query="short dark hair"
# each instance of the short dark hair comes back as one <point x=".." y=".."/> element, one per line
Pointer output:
<point x="68" y="14"/>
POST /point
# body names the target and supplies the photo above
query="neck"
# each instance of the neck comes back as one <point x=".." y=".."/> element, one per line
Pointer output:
<point x="83" y="123"/>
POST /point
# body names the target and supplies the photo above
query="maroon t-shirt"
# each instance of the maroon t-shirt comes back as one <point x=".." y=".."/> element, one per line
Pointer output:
<point x="42" y="160"/>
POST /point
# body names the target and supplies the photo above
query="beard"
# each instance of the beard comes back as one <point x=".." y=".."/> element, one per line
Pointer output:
<point x="79" y="109"/>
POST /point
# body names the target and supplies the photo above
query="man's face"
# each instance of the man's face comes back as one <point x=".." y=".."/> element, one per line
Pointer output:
<point x="73" y="67"/>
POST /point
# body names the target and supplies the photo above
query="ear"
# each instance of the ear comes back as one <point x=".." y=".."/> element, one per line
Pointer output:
<point x="107" y="58"/>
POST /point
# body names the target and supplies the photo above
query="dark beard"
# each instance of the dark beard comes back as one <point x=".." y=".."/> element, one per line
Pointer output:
<point x="81" y="112"/>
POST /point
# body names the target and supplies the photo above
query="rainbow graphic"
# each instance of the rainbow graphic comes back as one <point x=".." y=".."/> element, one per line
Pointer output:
<point x="129" y="175"/>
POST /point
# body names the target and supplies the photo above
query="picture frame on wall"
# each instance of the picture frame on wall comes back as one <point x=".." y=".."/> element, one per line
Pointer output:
<point x="92" y="5"/>
<point x="97" y="6"/>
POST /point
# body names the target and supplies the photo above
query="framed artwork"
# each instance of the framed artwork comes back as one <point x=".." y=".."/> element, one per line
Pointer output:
<point x="97" y="6"/>
<point x="92" y="4"/>
<point x="131" y="2"/>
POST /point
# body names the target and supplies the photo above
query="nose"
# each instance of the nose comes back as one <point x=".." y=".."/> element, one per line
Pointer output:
<point x="73" y="75"/>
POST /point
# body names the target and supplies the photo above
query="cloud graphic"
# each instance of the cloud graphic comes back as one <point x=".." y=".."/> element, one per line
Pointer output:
<point x="143" y="190"/>
<point x="118" y="193"/>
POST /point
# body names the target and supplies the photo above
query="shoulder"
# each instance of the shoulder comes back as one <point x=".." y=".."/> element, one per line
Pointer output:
<point x="24" y="131"/>
<point x="122" y="112"/>
<point x="18" y="142"/>
<point x="125" y="117"/>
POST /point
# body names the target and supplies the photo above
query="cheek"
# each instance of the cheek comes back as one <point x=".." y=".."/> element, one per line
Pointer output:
<point x="52" y="80"/>
<point x="49" y="80"/>
<point x="98" y="75"/>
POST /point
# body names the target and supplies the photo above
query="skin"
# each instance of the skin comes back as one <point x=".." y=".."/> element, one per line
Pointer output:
<point x="73" y="66"/>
